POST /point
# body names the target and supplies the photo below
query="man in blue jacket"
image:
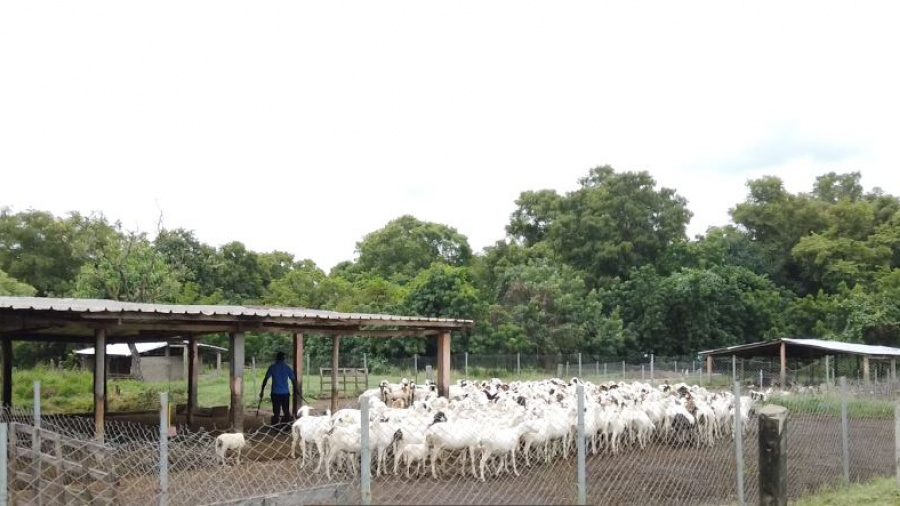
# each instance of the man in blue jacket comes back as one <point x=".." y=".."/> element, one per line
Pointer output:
<point x="282" y="377"/>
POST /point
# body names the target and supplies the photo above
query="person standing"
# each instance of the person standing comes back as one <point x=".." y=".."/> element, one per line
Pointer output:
<point x="282" y="377"/>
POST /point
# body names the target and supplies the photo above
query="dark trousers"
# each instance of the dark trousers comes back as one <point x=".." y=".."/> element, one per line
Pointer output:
<point x="281" y="402"/>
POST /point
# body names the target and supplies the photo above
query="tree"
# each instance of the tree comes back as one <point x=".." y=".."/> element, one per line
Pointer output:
<point x="193" y="263"/>
<point x="10" y="286"/>
<point x="131" y="270"/>
<point x="238" y="273"/>
<point x="616" y="222"/>
<point x="47" y="252"/>
<point x="535" y="212"/>
<point x="307" y="286"/>
<point x="407" y="246"/>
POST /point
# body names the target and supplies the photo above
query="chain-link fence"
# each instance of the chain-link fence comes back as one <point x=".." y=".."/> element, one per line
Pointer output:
<point x="492" y="442"/>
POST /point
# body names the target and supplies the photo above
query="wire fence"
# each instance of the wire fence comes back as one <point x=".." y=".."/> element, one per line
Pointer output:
<point x="547" y="441"/>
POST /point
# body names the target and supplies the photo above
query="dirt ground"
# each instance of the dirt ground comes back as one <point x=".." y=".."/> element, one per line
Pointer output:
<point x="658" y="474"/>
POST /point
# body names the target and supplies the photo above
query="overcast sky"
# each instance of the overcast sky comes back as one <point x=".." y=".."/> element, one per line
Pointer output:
<point x="301" y="126"/>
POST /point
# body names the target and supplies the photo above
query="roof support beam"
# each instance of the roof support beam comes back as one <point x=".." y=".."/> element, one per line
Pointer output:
<point x="7" y="371"/>
<point x="236" y="381"/>
<point x="99" y="382"/>
<point x="298" y="372"/>
<point x="443" y="363"/>
<point x="335" y="363"/>
<point x="192" y="378"/>
<point x="783" y="376"/>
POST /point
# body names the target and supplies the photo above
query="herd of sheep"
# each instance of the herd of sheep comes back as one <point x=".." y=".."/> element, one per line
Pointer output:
<point x="493" y="422"/>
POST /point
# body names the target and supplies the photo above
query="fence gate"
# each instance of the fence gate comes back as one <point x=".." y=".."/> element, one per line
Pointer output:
<point x="47" y="468"/>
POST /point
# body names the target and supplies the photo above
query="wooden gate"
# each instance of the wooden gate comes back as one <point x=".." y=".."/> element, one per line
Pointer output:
<point x="46" y="467"/>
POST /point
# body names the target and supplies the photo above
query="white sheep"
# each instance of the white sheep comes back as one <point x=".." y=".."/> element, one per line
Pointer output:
<point x="234" y="442"/>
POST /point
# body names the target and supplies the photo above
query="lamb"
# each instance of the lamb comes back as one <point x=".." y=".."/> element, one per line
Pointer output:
<point x="310" y="428"/>
<point x="234" y="442"/>
<point x="412" y="452"/>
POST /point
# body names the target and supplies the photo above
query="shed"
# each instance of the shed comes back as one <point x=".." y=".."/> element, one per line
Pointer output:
<point x="160" y="361"/>
<point x="101" y="322"/>
<point x="785" y="347"/>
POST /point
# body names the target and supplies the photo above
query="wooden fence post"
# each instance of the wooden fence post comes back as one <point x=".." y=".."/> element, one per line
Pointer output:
<point x="773" y="456"/>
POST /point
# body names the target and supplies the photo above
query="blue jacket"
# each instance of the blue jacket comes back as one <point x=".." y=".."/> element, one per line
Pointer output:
<point x="280" y="373"/>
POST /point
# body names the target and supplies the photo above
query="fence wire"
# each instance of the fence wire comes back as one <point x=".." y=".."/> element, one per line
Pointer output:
<point x="665" y="441"/>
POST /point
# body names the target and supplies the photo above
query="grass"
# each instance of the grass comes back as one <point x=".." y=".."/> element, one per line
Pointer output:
<point x="830" y="405"/>
<point x="880" y="492"/>
<point x="71" y="391"/>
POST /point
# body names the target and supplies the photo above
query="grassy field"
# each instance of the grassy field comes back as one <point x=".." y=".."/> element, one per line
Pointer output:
<point x="830" y="405"/>
<point x="881" y="492"/>
<point x="71" y="391"/>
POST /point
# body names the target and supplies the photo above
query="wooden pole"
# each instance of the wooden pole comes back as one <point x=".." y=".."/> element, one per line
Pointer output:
<point x="866" y="377"/>
<point x="185" y="360"/>
<point x="773" y="456"/>
<point x="298" y="372"/>
<point x="99" y="382"/>
<point x="443" y="373"/>
<point x="7" y="372"/>
<point x="783" y="376"/>
<point x="236" y="380"/>
<point x="193" y="378"/>
<point x="335" y="362"/>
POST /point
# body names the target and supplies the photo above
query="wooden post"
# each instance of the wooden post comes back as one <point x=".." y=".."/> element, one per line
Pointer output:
<point x="783" y="376"/>
<point x="7" y="372"/>
<point x="193" y="378"/>
<point x="866" y="377"/>
<point x="443" y="363"/>
<point x="99" y="381"/>
<point x="185" y="361"/>
<point x="773" y="456"/>
<point x="709" y="361"/>
<point x="335" y="363"/>
<point x="298" y="372"/>
<point x="236" y="380"/>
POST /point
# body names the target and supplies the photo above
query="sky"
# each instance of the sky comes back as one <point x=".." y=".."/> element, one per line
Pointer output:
<point x="301" y="126"/>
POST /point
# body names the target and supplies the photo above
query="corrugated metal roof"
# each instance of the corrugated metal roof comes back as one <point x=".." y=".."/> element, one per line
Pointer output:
<point x="836" y="346"/>
<point x="111" y="306"/>
<point x="121" y="349"/>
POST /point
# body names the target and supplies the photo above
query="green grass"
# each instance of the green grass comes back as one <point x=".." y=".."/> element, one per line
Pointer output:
<point x="880" y="492"/>
<point x="71" y="391"/>
<point x="830" y="405"/>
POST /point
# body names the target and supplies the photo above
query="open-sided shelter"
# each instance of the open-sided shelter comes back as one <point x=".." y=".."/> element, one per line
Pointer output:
<point x="98" y="322"/>
<point x="806" y="349"/>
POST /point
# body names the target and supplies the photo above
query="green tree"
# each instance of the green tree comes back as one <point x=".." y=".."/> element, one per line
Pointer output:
<point x="617" y="221"/>
<point x="407" y="246"/>
<point x="10" y="286"/>
<point x="535" y="212"/>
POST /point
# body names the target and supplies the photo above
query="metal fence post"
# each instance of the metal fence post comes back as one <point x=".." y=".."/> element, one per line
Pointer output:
<point x="36" y="443"/>
<point x="738" y="443"/>
<point x="651" y="368"/>
<point x="642" y="372"/>
<point x="365" y="459"/>
<point x="579" y="442"/>
<point x="623" y="369"/>
<point x="897" y="438"/>
<point x="845" y="431"/>
<point x="4" y="440"/>
<point x="579" y="365"/>
<point x="416" y="367"/>
<point x="518" y="364"/>
<point x="567" y="368"/>
<point x="466" y="370"/>
<point x="760" y="379"/>
<point x="163" y="448"/>
<point x="733" y="368"/>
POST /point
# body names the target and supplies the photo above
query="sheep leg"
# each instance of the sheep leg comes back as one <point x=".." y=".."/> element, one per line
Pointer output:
<point x="471" y="458"/>
<point x="516" y="471"/>
<point x="436" y="453"/>
<point x="484" y="458"/>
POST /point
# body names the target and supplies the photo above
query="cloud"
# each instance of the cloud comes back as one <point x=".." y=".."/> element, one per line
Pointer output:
<point x="784" y="145"/>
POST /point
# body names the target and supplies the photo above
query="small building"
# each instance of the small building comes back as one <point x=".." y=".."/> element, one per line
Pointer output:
<point x="834" y="358"/>
<point x="160" y="361"/>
